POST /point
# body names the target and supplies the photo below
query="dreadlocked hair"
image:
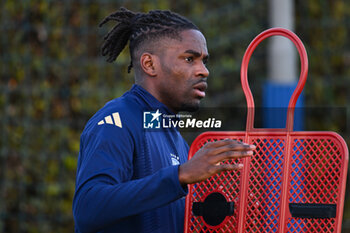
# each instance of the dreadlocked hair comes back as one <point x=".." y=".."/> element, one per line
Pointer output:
<point x="139" y="28"/>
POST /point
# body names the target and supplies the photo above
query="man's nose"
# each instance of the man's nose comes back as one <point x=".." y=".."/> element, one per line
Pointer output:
<point x="202" y="71"/>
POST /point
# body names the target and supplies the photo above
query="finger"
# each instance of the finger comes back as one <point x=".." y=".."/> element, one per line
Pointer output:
<point x="231" y="155"/>
<point x="229" y="167"/>
<point x="228" y="141"/>
<point x="233" y="146"/>
<point x="252" y="146"/>
<point x="220" y="143"/>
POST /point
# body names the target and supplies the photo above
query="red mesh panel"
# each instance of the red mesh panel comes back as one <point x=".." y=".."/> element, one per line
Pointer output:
<point x="227" y="183"/>
<point x="317" y="170"/>
<point x="264" y="190"/>
<point x="311" y="225"/>
<point x="315" y="178"/>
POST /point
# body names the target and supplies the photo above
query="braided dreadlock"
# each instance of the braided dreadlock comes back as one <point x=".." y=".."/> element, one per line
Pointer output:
<point x="140" y="28"/>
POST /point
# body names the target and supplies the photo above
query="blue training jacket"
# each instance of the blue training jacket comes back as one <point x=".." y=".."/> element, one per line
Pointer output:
<point x="127" y="176"/>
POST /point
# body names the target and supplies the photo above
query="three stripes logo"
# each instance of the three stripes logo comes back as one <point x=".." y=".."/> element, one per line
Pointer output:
<point x="113" y="119"/>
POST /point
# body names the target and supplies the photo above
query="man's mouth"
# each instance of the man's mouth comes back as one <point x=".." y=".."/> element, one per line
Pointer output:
<point x="200" y="89"/>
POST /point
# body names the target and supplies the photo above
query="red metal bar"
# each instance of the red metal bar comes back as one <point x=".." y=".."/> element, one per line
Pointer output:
<point x="302" y="79"/>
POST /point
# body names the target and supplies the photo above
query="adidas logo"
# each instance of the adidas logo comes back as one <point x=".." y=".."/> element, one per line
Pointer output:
<point x="109" y="120"/>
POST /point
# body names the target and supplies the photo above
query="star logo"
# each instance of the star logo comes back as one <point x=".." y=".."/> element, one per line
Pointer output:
<point x="151" y="120"/>
<point x="156" y="115"/>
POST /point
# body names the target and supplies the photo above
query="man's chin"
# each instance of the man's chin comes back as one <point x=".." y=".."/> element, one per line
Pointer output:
<point x="190" y="107"/>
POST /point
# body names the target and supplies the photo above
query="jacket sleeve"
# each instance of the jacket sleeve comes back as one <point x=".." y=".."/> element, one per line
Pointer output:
<point x="105" y="192"/>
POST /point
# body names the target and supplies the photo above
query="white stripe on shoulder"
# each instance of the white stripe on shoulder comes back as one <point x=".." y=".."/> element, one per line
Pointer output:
<point x="109" y="120"/>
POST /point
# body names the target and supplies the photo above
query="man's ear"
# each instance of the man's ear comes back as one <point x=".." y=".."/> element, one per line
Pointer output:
<point x="148" y="64"/>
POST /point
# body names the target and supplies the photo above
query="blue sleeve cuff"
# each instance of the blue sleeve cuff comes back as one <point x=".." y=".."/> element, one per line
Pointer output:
<point x="183" y="189"/>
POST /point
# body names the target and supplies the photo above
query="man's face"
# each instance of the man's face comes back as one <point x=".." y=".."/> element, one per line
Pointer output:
<point x="182" y="77"/>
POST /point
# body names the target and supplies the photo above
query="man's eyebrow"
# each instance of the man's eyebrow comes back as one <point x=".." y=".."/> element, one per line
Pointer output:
<point x="195" y="53"/>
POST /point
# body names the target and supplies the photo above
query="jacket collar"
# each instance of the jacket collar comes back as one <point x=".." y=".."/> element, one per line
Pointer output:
<point x="149" y="100"/>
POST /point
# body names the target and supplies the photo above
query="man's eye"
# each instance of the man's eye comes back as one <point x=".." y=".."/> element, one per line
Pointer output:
<point x="189" y="59"/>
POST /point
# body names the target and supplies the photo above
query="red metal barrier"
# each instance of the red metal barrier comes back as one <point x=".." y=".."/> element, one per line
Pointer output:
<point x="294" y="182"/>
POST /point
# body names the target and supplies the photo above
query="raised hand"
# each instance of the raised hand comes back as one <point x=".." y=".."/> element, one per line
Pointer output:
<point x="207" y="161"/>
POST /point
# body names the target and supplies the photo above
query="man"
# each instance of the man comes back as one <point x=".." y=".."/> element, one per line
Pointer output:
<point x="130" y="179"/>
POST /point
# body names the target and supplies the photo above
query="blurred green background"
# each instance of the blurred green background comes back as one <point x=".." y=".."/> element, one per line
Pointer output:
<point x="53" y="79"/>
